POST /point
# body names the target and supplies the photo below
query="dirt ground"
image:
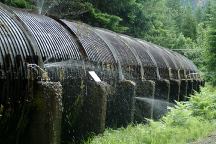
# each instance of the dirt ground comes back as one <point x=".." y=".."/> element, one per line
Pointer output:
<point x="211" y="139"/>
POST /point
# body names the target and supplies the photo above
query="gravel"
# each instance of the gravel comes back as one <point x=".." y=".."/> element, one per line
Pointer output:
<point x="211" y="139"/>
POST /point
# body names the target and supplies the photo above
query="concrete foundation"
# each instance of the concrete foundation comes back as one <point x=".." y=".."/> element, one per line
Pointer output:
<point x="195" y="85"/>
<point x="93" y="116"/>
<point x="162" y="89"/>
<point x="189" y="89"/>
<point x="198" y="86"/>
<point x="145" y="91"/>
<point x="202" y="83"/>
<point x="174" y="90"/>
<point x="183" y="90"/>
<point x="123" y="104"/>
<point x="46" y="116"/>
<point x="161" y="101"/>
<point x="74" y="92"/>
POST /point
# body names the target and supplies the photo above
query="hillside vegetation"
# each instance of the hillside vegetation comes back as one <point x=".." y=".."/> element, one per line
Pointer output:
<point x="185" y="122"/>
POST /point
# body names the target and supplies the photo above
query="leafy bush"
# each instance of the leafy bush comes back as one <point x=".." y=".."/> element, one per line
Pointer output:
<point x="184" y="123"/>
<point x="204" y="104"/>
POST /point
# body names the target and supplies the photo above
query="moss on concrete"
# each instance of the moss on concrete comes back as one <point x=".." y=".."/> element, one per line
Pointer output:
<point x="123" y="104"/>
<point x="183" y="90"/>
<point x="174" y="90"/>
<point x="162" y="89"/>
<point x="144" y="89"/>
<point x="46" y="114"/>
<point x="93" y="116"/>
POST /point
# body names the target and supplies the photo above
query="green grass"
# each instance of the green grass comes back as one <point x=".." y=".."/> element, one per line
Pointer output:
<point x="185" y="122"/>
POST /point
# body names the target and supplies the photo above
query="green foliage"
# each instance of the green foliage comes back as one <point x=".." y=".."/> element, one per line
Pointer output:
<point x="189" y="26"/>
<point x="185" y="122"/>
<point x="108" y="21"/>
<point x="133" y="20"/>
<point x="18" y="3"/>
<point x="204" y="104"/>
<point x="211" y="51"/>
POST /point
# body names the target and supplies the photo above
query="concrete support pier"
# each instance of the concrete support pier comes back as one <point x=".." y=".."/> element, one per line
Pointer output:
<point x="162" y="89"/>
<point x="174" y="90"/>
<point x="189" y="88"/>
<point x="145" y="92"/>
<point x="195" y="85"/>
<point x="203" y="83"/>
<point x="123" y="106"/>
<point x="93" y="116"/>
<point x="46" y="116"/>
<point x="183" y="90"/>
<point x="198" y="86"/>
<point x="162" y="93"/>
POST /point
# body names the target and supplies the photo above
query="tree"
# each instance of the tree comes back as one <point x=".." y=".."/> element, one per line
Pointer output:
<point x="18" y="3"/>
<point x="131" y="13"/>
<point x="189" y="24"/>
<point x="211" y="55"/>
<point x="84" y="10"/>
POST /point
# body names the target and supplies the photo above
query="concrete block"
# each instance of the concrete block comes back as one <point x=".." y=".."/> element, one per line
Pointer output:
<point x="183" y="90"/>
<point x="46" y="116"/>
<point x="162" y="89"/>
<point x="144" y="101"/>
<point x="123" y="104"/>
<point x="93" y="116"/>
<point x="174" y="90"/>
<point x="161" y="99"/>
